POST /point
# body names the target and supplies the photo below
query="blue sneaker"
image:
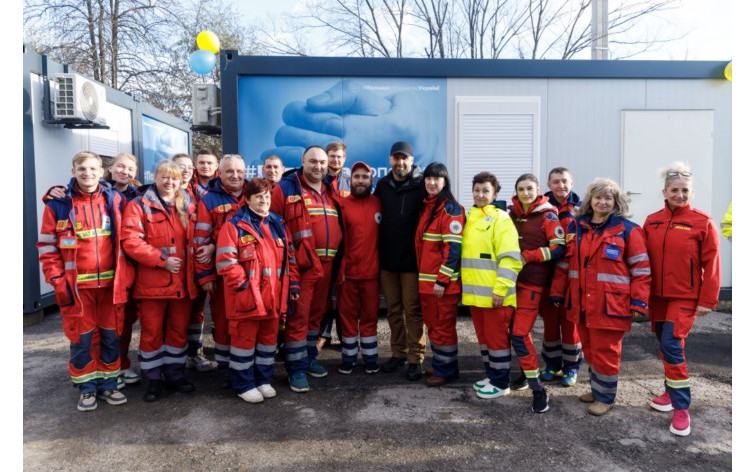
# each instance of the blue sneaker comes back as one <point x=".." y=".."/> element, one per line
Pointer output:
<point x="549" y="375"/>
<point x="569" y="378"/>
<point x="298" y="382"/>
<point x="316" y="369"/>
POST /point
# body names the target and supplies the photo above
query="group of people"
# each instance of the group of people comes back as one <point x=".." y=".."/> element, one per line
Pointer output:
<point x="270" y="253"/>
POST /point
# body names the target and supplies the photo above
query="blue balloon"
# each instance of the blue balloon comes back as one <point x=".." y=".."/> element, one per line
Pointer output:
<point x="202" y="62"/>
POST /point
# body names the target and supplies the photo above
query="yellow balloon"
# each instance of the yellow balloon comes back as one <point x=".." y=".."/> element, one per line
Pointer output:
<point x="208" y="41"/>
<point x="728" y="71"/>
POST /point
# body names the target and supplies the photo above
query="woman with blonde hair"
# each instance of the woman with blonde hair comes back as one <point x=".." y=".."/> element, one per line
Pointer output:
<point x="603" y="280"/>
<point x="155" y="235"/>
<point x="683" y="244"/>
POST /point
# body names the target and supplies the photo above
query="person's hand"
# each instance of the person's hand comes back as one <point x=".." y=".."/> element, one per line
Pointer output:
<point x="370" y="122"/>
<point x="173" y="264"/>
<point x="438" y="290"/>
<point x="294" y="296"/>
<point x="702" y="311"/>
<point x="497" y="301"/>
<point x="205" y="254"/>
<point x="208" y="287"/>
<point x="57" y="192"/>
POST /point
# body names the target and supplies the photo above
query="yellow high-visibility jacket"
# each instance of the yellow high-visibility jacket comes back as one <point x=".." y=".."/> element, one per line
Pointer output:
<point x="490" y="257"/>
<point x="727" y="223"/>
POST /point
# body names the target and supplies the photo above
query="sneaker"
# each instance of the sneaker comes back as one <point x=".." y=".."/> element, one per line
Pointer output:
<point x="587" y="398"/>
<point x="316" y="369"/>
<point x="112" y="397"/>
<point x="181" y="385"/>
<point x="540" y="401"/>
<point x="520" y="383"/>
<point x="680" y="425"/>
<point x="392" y="364"/>
<point x="154" y="391"/>
<point x="120" y="383"/>
<point x="346" y="368"/>
<point x="568" y="379"/>
<point x="662" y="403"/>
<point x="129" y="376"/>
<point x="267" y="391"/>
<point x="549" y="375"/>
<point x="415" y="372"/>
<point x="490" y="391"/>
<point x="87" y="402"/>
<point x="200" y="363"/>
<point x="252" y="396"/>
<point x="372" y="368"/>
<point x="481" y="383"/>
<point x="298" y="382"/>
<point x="599" y="409"/>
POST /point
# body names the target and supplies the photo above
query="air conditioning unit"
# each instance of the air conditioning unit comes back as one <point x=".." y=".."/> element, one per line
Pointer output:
<point x="77" y="99"/>
<point x="206" y="109"/>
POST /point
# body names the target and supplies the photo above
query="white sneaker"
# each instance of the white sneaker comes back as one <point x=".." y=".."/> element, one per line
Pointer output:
<point x="252" y="396"/>
<point x="490" y="391"/>
<point x="199" y="362"/>
<point x="481" y="383"/>
<point x="120" y="384"/>
<point x="87" y="402"/>
<point x="267" y="391"/>
<point x="129" y="376"/>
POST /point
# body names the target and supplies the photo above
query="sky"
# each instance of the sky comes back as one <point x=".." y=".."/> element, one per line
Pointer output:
<point x="706" y="24"/>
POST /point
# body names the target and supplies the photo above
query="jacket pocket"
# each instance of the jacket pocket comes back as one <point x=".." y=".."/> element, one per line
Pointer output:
<point x="248" y="304"/>
<point x="63" y="294"/>
<point x="618" y="303"/>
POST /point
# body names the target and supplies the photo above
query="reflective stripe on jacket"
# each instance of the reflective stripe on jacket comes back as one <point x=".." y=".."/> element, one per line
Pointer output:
<point x="490" y="257"/>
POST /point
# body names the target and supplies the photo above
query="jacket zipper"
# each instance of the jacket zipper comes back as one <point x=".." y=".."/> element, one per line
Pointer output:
<point x="94" y="226"/>
<point x="691" y="274"/>
<point x="664" y="245"/>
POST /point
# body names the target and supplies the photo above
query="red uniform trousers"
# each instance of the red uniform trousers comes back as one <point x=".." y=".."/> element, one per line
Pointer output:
<point x="129" y="318"/>
<point x="603" y="350"/>
<point x="95" y="363"/>
<point x="162" y="345"/>
<point x="492" y="329"/>
<point x="303" y="326"/>
<point x="440" y="316"/>
<point x="196" y="320"/>
<point x="562" y="349"/>
<point x="220" y="326"/>
<point x="358" y="308"/>
<point x="671" y="321"/>
<point x="525" y="316"/>
<point x="253" y="351"/>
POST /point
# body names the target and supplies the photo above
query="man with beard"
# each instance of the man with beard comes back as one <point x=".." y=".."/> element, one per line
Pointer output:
<point x="358" y="275"/>
<point x="311" y="213"/>
<point x="401" y="193"/>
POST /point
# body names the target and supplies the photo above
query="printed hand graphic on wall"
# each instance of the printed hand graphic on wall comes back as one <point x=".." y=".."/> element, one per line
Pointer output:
<point x="367" y="122"/>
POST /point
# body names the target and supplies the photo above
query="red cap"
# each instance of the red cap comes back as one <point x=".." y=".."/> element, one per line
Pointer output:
<point x="363" y="165"/>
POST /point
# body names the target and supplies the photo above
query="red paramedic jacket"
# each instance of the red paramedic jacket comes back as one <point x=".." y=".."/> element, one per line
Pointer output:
<point x="150" y="235"/>
<point x="361" y="219"/>
<point x="684" y="249"/>
<point x="215" y="208"/>
<point x="256" y="259"/>
<point x="541" y="238"/>
<point x="607" y="273"/>
<point x="438" y="245"/>
<point x="312" y="218"/>
<point x="79" y="246"/>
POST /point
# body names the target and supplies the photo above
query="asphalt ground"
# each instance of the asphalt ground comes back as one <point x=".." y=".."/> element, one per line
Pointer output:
<point x="382" y="422"/>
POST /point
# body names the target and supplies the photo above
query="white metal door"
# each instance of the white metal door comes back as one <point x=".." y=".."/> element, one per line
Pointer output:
<point x="651" y="139"/>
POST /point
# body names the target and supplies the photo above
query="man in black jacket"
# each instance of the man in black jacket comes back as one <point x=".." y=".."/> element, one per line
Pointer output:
<point x="401" y="193"/>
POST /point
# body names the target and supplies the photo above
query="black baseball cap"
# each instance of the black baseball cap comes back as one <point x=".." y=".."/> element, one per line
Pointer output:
<point x="402" y="147"/>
